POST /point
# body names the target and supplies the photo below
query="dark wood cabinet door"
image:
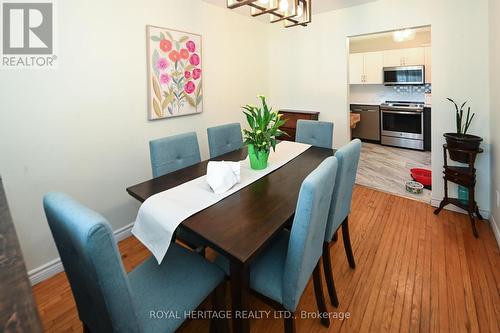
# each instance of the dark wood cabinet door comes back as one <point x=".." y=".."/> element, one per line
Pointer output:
<point x="292" y="116"/>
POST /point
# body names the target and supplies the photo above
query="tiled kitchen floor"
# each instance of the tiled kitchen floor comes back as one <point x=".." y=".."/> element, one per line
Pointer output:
<point x="387" y="169"/>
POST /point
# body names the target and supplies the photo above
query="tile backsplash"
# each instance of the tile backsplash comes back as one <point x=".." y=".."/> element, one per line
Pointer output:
<point x="425" y="89"/>
<point x="377" y="93"/>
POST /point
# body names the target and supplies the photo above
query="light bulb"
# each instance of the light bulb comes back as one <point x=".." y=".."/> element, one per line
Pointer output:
<point x="264" y="2"/>
<point x="283" y="5"/>
<point x="403" y="35"/>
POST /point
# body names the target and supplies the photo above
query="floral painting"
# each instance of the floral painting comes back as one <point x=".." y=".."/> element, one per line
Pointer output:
<point x="174" y="73"/>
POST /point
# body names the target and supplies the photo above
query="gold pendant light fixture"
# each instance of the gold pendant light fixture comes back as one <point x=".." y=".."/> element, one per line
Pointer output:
<point x="292" y="12"/>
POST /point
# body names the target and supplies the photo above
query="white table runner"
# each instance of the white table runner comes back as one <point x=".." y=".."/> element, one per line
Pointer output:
<point x="162" y="213"/>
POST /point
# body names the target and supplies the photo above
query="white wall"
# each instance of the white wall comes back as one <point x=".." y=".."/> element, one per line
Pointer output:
<point x="309" y="67"/>
<point x="495" y="111"/>
<point x="82" y="128"/>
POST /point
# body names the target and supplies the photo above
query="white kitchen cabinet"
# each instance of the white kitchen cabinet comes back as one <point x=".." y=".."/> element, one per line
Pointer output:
<point x="404" y="57"/>
<point x="366" y="68"/>
<point x="393" y="58"/>
<point x="373" y="67"/>
<point x="428" y="65"/>
<point x="414" y="56"/>
<point x="356" y="68"/>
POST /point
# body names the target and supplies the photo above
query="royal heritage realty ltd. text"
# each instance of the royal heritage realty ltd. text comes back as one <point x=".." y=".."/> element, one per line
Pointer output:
<point x="257" y="314"/>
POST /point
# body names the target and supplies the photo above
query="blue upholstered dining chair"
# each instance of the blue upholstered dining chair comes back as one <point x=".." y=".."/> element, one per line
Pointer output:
<point x="109" y="300"/>
<point x="173" y="153"/>
<point x="281" y="273"/>
<point x="316" y="133"/>
<point x="348" y="158"/>
<point x="224" y="139"/>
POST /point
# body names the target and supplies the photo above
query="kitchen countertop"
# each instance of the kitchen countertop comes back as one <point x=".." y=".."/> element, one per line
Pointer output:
<point x="368" y="103"/>
<point x="355" y="119"/>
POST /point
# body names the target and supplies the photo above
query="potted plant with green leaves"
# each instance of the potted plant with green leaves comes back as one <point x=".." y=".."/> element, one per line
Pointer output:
<point x="460" y="139"/>
<point x="264" y="130"/>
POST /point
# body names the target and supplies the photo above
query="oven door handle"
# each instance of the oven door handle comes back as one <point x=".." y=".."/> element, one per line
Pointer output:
<point x="402" y="112"/>
<point x="364" y="110"/>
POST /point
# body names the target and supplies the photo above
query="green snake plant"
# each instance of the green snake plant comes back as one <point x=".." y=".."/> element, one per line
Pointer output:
<point x="462" y="124"/>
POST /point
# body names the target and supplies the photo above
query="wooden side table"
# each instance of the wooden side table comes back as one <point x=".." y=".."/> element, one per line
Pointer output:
<point x="466" y="177"/>
<point x="290" y="126"/>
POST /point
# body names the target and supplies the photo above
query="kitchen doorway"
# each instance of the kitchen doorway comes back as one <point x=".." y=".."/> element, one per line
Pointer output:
<point x="390" y="105"/>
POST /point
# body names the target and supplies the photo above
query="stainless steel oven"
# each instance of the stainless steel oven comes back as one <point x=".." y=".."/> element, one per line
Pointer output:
<point x="402" y="124"/>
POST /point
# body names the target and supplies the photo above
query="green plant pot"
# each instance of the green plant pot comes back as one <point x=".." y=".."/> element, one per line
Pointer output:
<point x="258" y="158"/>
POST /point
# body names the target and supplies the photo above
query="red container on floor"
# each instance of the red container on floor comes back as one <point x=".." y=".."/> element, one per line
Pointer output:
<point x="423" y="176"/>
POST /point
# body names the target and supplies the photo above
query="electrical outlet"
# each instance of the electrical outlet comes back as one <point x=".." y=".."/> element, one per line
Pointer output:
<point x="498" y="199"/>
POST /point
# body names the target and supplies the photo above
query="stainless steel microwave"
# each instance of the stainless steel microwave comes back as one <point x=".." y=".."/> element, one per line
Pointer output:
<point x="404" y="75"/>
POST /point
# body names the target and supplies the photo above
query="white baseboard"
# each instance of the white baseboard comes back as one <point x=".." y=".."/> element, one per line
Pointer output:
<point x="496" y="231"/>
<point x="123" y="232"/>
<point x="46" y="271"/>
<point x="55" y="266"/>
<point x="436" y="202"/>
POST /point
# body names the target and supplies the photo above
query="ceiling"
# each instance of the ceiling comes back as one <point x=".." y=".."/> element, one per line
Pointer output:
<point x="318" y="6"/>
<point x="385" y="41"/>
<point x="321" y="6"/>
<point x="388" y="34"/>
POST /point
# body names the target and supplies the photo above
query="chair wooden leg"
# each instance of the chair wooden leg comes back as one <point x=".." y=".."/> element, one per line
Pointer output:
<point x="327" y="267"/>
<point x="219" y="325"/>
<point x="347" y="243"/>
<point x="290" y="324"/>
<point x="318" y="291"/>
<point x="86" y="329"/>
<point x="335" y="236"/>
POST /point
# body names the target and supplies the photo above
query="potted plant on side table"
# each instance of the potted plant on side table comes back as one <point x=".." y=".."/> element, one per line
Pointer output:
<point x="261" y="137"/>
<point x="460" y="139"/>
<point x="462" y="147"/>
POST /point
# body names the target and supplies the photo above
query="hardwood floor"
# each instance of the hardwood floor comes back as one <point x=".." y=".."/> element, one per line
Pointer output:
<point x="415" y="272"/>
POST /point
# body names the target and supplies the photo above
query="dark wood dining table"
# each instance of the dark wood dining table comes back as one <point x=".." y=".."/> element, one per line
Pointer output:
<point x="241" y="225"/>
<point x="18" y="312"/>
